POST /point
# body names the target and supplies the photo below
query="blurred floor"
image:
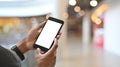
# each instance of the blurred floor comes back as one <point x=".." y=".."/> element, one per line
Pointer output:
<point x="76" y="54"/>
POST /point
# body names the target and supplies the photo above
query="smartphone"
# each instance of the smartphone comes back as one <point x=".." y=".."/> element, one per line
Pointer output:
<point x="48" y="33"/>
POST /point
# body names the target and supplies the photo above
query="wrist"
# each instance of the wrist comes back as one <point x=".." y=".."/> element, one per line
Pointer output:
<point x="18" y="52"/>
<point x="22" y="46"/>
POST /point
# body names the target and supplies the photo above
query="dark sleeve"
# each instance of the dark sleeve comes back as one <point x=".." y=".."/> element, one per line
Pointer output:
<point x="8" y="59"/>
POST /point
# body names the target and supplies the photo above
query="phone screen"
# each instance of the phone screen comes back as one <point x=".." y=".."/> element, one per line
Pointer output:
<point x="49" y="32"/>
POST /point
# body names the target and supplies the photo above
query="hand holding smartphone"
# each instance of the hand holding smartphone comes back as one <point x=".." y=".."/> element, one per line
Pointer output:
<point x="48" y="33"/>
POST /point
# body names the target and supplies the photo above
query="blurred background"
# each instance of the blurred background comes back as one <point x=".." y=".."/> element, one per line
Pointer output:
<point x="90" y="36"/>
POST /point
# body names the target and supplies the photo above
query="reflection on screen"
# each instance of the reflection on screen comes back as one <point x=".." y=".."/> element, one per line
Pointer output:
<point x="48" y="34"/>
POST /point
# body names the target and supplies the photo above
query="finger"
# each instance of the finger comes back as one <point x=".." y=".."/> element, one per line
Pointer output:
<point x="53" y="48"/>
<point x="38" y="51"/>
<point x="40" y="25"/>
<point x="60" y="33"/>
<point x="58" y="36"/>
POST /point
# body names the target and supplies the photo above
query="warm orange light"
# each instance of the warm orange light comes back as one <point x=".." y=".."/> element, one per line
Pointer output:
<point x="5" y="21"/>
<point x="82" y="12"/>
<point x="97" y="12"/>
<point x="98" y="21"/>
<point x="77" y="9"/>
<point x="101" y="9"/>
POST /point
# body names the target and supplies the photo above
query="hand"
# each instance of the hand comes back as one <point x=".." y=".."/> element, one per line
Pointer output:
<point x="27" y="43"/>
<point x="49" y="58"/>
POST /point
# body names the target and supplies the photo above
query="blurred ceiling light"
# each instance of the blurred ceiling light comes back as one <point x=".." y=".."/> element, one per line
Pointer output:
<point x="72" y="2"/>
<point x="82" y="12"/>
<point x="93" y="3"/>
<point x="65" y="15"/>
<point x="77" y="9"/>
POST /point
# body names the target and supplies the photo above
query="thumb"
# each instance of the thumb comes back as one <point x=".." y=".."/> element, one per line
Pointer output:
<point x="53" y="48"/>
<point x="38" y="51"/>
<point x="40" y="25"/>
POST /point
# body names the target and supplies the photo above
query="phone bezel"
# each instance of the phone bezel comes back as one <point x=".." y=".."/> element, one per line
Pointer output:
<point x="52" y="19"/>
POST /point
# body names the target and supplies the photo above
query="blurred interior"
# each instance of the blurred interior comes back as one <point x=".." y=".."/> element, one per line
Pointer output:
<point x="90" y="36"/>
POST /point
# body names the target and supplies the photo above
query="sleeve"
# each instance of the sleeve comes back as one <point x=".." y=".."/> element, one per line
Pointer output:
<point x="8" y="58"/>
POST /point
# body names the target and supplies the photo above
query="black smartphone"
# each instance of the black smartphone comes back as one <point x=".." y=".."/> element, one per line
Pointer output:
<point x="48" y="33"/>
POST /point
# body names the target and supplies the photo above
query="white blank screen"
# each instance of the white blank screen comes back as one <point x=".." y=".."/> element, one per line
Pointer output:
<point x="48" y="34"/>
